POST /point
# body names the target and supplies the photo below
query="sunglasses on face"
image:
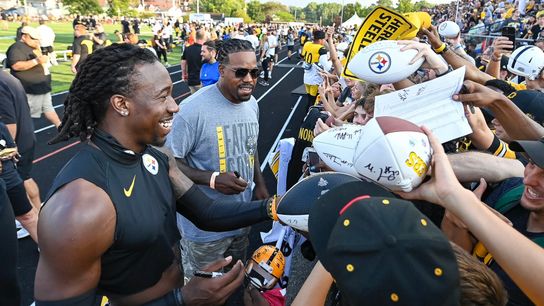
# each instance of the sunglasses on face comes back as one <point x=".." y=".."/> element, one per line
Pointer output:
<point x="242" y="72"/>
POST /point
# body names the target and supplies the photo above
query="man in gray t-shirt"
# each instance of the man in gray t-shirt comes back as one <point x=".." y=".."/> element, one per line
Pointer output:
<point x="214" y="137"/>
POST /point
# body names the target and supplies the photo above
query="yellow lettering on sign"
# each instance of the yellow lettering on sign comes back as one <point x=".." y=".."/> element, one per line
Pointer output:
<point x="381" y="24"/>
<point x="417" y="164"/>
<point x="306" y="135"/>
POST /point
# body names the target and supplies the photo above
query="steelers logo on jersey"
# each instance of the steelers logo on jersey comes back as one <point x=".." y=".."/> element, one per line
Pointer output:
<point x="150" y="164"/>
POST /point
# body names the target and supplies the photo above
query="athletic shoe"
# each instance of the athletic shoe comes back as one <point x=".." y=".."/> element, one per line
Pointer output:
<point x="261" y="75"/>
<point x="166" y="64"/>
<point x="22" y="233"/>
<point x="263" y="83"/>
<point x="270" y="74"/>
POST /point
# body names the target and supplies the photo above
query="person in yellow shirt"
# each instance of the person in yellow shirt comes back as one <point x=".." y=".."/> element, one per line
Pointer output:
<point x="311" y="52"/>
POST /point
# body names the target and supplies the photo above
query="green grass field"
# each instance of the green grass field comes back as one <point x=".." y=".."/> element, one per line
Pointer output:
<point x="62" y="75"/>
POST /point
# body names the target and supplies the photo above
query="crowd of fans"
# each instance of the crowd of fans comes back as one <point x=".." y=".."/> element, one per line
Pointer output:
<point x="482" y="202"/>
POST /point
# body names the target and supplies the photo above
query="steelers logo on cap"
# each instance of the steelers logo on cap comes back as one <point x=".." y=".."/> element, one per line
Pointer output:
<point x="379" y="62"/>
<point x="150" y="164"/>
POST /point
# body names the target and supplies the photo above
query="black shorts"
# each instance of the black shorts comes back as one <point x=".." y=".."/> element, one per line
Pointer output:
<point x="290" y="48"/>
<point x="24" y="166"/>
<point x="19" y="200"/>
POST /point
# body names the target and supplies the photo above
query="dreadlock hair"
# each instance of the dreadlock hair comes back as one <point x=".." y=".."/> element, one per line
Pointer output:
<point x="233" y="46"/>
<point x="106" y="72"/>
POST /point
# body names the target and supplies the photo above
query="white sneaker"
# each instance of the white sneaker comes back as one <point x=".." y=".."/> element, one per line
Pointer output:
<point x="261" y="75"/>
<point x="270" y="74"/>
<point x="22" y="233"/>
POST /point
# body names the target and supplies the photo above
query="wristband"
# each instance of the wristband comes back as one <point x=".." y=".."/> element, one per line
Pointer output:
<point x="272" y="214"/>
<point x="441" y="49"/>
<point x="36" y="62"/>
<point x="212" y="179"/>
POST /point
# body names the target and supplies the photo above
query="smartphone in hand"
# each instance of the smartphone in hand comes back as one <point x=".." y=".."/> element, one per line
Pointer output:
<point x="510" y="33"/>
<point x="313" y="162"/>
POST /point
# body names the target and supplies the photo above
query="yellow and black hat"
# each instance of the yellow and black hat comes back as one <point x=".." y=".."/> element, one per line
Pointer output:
<point x="383" y="251"/>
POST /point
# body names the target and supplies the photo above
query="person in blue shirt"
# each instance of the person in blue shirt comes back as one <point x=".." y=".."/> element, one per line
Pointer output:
<point x="209" y="73"/>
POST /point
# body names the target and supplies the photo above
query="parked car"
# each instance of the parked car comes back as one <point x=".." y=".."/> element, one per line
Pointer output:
<point x="13" y="13"/>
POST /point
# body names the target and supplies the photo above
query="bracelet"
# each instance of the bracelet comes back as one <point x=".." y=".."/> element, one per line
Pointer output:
<point x="212" y="179"/>
<point x="440" y="49"/>
<point x="271" y="211"/>
<point x="36" y="62"/>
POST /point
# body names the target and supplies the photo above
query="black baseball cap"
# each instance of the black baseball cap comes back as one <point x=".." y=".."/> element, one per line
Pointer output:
<point x="531" y="102"/>
<point x="383" y="251"/>
<point x="324" y="212"/>
<point x="533" y="148"/>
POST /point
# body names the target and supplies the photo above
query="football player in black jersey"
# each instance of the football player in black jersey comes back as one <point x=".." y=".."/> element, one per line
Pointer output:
<point x="116" y="198"/>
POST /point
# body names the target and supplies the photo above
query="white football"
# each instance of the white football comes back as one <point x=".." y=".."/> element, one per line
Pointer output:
<point x="336" y="147"/>
<point x="448" y="29"/>
<point x="382" y="62"/>
<point x="393" y="153"/>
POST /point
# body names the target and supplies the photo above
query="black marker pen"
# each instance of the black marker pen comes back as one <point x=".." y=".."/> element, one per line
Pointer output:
<point x="205" y="274"/>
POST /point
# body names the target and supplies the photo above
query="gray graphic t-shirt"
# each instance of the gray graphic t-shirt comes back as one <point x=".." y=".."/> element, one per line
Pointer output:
<point x="214" y="134"/>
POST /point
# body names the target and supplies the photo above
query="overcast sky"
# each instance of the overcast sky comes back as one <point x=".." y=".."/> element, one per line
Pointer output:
<point x="303" y="3"/>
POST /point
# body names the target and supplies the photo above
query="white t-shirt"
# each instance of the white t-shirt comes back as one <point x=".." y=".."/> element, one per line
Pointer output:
<point x="167" y="31"/>
<point x="157" y="27"/>
<point x="253" y="40"/>
<point x="273" y="41"/>
<point x="47" y="36"/>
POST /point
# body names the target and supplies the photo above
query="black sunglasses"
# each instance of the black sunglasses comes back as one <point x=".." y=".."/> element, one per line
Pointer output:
<point x="242" y="72"/>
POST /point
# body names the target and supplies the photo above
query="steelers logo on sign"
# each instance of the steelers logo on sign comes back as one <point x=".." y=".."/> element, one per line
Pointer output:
<point x="151" y="164"/>
<point x="443" y="26"/>
<point x="379" y="62"/>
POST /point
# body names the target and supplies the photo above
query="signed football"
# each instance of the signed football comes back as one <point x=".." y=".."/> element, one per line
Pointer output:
<point x="337" y="145"/>
<point x="294" y="207"/>
<point x="394" y="153"/>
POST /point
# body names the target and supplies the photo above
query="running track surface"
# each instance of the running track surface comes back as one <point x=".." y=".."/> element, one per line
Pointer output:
<point x="278" y="118"/>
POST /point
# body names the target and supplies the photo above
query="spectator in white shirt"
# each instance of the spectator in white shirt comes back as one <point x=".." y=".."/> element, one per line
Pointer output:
<point x="47" y="39"/>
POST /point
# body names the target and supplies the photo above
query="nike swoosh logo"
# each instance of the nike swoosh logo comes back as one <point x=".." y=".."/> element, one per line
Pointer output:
<point x="128" y="192"/>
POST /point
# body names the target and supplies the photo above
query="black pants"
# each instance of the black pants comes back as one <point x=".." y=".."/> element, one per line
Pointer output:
<point x="161" y="51"/>
<point x="310" y="101"/>
<point x="265" y="64"/>
<point x="10" y="292"/>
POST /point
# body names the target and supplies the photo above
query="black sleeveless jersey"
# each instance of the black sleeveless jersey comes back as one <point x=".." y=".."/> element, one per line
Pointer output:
<point x="140" y="190"/>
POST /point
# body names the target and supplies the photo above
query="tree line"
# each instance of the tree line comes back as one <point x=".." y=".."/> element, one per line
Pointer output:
<point x="254" y="10"/>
